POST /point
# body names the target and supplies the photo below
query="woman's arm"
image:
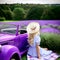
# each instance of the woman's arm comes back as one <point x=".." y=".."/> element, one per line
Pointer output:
<point x="38" y="50"/>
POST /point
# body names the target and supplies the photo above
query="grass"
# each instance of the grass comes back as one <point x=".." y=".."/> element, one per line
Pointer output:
<point x="24" y="57"/>
<point x="51" y="41"/>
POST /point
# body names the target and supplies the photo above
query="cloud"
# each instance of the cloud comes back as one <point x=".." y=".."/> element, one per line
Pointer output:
<point x="31" y="1"/>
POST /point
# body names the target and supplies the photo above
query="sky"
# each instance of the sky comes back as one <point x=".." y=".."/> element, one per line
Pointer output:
<point x="30" y="1"/>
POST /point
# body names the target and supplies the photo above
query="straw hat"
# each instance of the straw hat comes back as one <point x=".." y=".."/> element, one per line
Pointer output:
<point x="33" y="27"/>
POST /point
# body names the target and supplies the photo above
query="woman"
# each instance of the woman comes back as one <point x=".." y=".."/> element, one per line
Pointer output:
<point x="35" y="51"/>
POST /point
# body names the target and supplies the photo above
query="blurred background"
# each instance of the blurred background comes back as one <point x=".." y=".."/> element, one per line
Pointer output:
<point x="19" y="12"/>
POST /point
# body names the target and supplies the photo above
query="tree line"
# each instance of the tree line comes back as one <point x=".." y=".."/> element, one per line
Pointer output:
<point x="29" y="12"/>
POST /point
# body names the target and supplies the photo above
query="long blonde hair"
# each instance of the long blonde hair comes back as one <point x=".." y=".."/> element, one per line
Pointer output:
<point x="32" y="29"/>
<point x="31" y="37"/>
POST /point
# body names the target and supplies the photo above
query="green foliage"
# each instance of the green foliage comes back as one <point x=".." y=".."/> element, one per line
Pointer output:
<point x="2" y="18"/>
<point x="47" y="15"/>
<point x="58" y="58"/>
<point x="51" y="41"/>
<point x="51" y="12"/>
<point x="1" y="12"/>
<point x="35" y="12"/>
<point x="4" y="6"/>
<point x="56" y="11"/>
<point x="18" y="13"/>
<point x="24" y="56"/>
<point x="8" y="14"/>
<point x="30" y="11"/>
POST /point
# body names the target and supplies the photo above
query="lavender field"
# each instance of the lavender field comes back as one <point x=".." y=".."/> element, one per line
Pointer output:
<point x="41" y="22"/>
<point x="52" y="26"/>
<point x="50" y="33"/>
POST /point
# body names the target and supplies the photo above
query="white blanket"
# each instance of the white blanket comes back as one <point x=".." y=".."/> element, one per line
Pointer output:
<point x="52" y="56"/>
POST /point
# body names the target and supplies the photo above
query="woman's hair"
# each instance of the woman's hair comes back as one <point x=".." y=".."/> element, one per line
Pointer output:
<point x="31" y="37"/>
<point x="32" y="30"/>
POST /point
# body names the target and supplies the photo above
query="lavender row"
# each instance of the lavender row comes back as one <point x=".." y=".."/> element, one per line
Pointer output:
<point x="51" y="30"/>
<point x="41" y="22"/>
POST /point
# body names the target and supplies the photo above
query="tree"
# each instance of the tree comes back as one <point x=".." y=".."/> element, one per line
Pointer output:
<point x="51" y="12"/>
<point x="56" y="10"/>
<point x="18" y="13"/>
<point x="35" y="12"/>
<point x="8" y="14"/>
<point x="2" y="18"/>
<point x="47" y="14"/>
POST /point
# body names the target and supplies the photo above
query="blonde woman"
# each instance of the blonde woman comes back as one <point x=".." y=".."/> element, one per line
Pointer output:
<point x="33" y="30"/>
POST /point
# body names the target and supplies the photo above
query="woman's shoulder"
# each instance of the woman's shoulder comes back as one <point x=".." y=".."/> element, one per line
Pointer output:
<point x="37" y="38"/>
